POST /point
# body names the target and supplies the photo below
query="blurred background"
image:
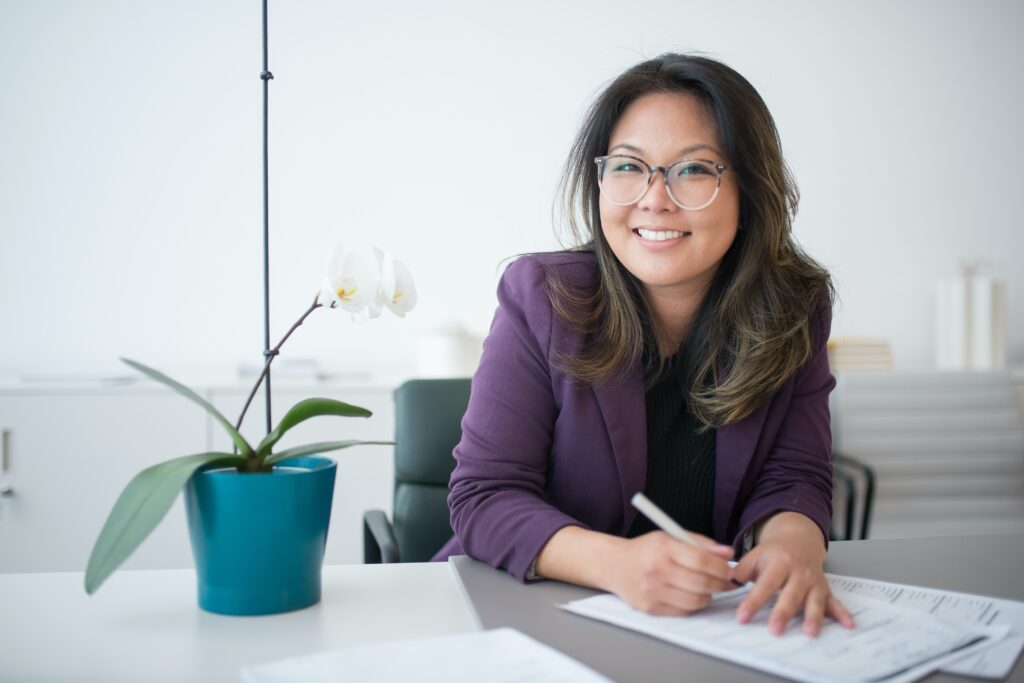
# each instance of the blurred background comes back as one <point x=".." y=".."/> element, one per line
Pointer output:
<point x="131" y="225"/>
<point x="130" y="180"/>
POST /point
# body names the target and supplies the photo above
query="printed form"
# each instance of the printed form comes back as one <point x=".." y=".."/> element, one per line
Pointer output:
<point x="892" y="643"/>
<point x="996" y="661"/>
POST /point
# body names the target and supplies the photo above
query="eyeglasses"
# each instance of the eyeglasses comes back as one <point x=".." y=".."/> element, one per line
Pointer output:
<point x="691" y="183"/>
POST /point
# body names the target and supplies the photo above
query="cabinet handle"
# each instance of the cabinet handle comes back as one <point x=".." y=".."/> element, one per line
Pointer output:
<point x="5" y="450"/>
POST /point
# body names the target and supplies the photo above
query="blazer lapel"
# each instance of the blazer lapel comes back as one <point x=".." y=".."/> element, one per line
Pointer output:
<point x="734" y="448"/>
<point x="625" y="416"/>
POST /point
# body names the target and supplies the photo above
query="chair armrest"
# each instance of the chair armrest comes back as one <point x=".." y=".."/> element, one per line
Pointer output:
<point x="869" y="487"/>
<point x="379" y="544"/>
<point x="847" y="483"/>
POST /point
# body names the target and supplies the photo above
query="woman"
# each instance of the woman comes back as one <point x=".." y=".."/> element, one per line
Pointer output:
<point x="679" y="351"/>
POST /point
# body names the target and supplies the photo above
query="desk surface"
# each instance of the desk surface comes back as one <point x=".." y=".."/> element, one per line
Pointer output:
<point x="987" y="565"/>
<point x="145" y="625"/>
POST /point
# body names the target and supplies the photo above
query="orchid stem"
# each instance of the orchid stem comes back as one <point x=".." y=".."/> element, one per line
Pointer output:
<point x="270" y="359"/>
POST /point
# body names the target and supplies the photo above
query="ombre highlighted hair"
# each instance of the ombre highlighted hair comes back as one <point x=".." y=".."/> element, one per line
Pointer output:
<point x="752" y="331"/>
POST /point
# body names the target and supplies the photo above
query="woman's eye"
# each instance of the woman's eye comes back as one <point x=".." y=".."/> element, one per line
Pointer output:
<point x="693" y="169"/>
<point x="626" y="167"/>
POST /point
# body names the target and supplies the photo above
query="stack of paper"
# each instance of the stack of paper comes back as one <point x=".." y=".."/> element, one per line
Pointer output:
<point x="964" y="608"/>
<point x="854" y="353"/>
<point x="896" y="639"/>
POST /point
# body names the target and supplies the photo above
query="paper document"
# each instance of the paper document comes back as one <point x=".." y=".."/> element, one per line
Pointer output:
<point x="503" y="655"/>
<point x="994" y="662"/>
<point x="891" y="644"/>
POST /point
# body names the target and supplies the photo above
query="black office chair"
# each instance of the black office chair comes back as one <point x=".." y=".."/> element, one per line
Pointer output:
<point x="428" y="425"/>
<point x="854" y="490"/>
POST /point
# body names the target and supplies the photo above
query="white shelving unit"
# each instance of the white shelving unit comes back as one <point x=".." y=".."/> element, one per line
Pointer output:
<point x="947" y="449"/>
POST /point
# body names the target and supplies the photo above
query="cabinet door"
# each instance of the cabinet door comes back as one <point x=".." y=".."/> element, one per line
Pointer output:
<point x="365" y="476"/>
<point x="70" y="454"/>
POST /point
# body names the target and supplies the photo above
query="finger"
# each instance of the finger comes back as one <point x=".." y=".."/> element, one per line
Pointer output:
<point x="698" y="558"/>
<point x="766" y="585"/>
<point x="837" y="610"/>
<point x="703" y="562"/>
<point x="724" y="551"/>
<point x="745" y="568"/>
<point x="814" y="610"/>
<point x="672" y="601"/>
<point x="694" y="581"/>
<point x="713" y="546"/>
<point x="793" y="595"/>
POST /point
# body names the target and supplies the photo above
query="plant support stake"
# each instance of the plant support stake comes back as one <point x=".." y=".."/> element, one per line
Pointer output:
<point x="268" y="353"/>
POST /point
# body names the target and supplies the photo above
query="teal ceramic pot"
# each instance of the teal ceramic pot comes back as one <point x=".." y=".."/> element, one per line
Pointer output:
<point x="258" y="539"/>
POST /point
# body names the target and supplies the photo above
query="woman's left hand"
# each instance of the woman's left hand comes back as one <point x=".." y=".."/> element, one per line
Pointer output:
<point x="789" y="559"/>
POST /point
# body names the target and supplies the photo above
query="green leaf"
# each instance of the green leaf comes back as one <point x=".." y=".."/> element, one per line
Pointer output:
<point x="321" y="447"/>
<point x="302" y="411"/>
<point x="243" y="446"/>
<point x="139" y="508"/>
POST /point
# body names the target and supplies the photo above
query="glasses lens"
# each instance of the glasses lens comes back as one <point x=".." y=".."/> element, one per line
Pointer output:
<point x="622" y="179"/>
<point x="692" y="183"/>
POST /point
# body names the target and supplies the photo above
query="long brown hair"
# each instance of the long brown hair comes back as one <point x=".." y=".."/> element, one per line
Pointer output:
<point x="752" y="331"/>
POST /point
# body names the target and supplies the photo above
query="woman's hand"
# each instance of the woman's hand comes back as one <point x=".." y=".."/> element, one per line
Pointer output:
<point x="659" y="575"/>
<point x="789" y="559"/>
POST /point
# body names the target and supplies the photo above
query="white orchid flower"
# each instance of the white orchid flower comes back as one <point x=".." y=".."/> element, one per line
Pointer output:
<point x="352" y="283"/>
<point x="397" y="286"/>
<point x="365" y="284"/>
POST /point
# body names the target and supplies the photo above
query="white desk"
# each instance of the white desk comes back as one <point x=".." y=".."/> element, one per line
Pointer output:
<point x="145" y="625"/>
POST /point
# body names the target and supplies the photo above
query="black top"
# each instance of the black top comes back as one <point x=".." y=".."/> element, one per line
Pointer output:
<point x="680" y="461"/>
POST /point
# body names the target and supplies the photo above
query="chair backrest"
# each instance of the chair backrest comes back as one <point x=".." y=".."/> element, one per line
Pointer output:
<point x="947" y="449"/>
<point x="428" y="425"/>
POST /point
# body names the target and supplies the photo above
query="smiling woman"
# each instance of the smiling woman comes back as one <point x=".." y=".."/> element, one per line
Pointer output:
<point x="679" y="350"/>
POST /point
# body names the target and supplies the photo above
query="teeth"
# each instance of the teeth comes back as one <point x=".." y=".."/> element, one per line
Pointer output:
<point x="660" y="235"/>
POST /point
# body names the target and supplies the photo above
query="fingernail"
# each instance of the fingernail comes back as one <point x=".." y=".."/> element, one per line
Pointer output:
<point x="775" y="627"/>
<point x="743" y="616"/>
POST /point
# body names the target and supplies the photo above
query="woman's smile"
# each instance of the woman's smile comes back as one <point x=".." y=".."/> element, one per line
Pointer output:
<point x="661" y="235"/>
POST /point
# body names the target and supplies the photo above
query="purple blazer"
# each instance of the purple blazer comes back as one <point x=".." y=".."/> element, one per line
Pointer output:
<point x="541" y="451"/>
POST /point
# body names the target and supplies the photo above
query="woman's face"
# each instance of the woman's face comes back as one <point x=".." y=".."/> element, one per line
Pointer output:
<point x="662" y="128"/>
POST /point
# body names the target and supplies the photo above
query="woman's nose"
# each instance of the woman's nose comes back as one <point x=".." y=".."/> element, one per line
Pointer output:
<point x="657" y="198"/>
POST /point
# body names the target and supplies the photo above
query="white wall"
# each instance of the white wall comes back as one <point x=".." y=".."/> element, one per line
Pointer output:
<point x="130" y="181"/>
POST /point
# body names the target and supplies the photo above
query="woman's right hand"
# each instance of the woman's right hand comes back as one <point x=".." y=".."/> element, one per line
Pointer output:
<point x="659" y="575"/>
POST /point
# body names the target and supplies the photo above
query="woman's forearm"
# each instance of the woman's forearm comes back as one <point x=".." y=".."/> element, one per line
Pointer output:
<point x="580" y="556"/>
<point x="791" y="527"/>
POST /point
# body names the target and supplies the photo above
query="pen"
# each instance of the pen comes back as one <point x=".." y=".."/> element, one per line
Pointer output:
<point x="666" y="523"/>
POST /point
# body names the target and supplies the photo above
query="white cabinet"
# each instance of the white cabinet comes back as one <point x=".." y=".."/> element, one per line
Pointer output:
<point x="69" y="454"/>
<point x="365" y="476"/>
<point x="71" y="451"/>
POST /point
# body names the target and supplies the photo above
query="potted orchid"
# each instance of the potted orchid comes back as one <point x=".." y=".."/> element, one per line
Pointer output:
<point x="257" y="517"/>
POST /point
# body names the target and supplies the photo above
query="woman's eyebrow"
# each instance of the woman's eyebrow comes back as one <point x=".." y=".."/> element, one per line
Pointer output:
<point x="682" y="153"/>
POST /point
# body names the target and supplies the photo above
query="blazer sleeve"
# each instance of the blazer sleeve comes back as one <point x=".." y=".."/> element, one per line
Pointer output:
<point x="496" y="496"/>
<point x="797" y="475"/>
